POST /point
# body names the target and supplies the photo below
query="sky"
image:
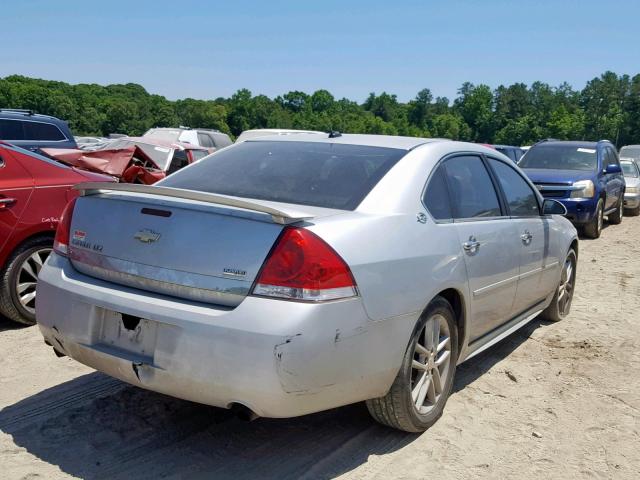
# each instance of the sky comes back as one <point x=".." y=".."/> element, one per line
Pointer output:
<point x="209" y="49"/>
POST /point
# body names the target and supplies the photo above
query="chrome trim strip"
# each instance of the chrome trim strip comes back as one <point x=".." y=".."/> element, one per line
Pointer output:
<point x="278" y="216"/>
<point x="191" y="286"/>
<point x="543" y="187"/>
<point x="493" y="286"/>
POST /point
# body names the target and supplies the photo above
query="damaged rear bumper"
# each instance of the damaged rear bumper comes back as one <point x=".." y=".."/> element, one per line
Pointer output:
<point x="278" y="358"/>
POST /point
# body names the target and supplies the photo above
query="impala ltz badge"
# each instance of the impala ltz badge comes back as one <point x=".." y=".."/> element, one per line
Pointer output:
<point x="233" y="272"/>
<point x="147" y="235"/>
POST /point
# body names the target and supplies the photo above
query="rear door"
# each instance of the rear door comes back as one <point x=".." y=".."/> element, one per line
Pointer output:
<point x="16" y="188"/>
<point x="532" y="236"/>
<point x="488" y="242"/>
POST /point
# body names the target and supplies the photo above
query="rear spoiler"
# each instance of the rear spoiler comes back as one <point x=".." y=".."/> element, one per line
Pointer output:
<point x="277" y="216"/>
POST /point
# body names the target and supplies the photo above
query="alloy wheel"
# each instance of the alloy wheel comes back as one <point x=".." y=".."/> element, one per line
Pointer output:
<point x="565" y="289"/>
<point x="27" y="278"/>
<point x="431" y="364"/>
<point x="600" y="218"/>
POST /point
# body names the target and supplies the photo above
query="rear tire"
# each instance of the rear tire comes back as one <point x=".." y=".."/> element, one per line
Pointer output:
<point x="616" y="217"/>
<point x="560" y="306"/>
<point x="594" y="227"/>
<point x="419" y="393"/>
<point x="21" y="268"/>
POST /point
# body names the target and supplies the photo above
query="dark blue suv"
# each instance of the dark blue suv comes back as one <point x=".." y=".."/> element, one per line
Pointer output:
<point x="32" y="131"/>
<point x="585" y="176"/>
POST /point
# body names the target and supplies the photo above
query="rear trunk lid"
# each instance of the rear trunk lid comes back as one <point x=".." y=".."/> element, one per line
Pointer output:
<point x="191" y="245"/>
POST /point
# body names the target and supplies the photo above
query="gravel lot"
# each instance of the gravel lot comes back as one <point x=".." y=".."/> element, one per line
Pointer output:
<point x="551" y="401"/>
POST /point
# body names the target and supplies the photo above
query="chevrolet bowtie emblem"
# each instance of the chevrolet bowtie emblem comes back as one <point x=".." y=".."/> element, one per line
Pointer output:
<point x="147" y="236"/>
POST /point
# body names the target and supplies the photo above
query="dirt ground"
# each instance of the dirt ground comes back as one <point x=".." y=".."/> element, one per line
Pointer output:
<point x="551" y="401"/>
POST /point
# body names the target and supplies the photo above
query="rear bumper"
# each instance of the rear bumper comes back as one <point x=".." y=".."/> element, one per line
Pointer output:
<point x="278" y="358"/>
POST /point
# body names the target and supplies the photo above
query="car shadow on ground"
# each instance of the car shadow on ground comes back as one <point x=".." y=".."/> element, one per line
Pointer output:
<point x="6" y="324"/>
<point x="97" y="427"/>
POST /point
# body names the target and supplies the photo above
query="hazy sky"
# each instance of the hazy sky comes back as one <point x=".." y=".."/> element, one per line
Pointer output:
<point x="209" y="49"/>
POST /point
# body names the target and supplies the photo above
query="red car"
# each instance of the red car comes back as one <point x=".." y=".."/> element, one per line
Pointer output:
<point x="33" y="192"/>
<point x="132" y="159"/>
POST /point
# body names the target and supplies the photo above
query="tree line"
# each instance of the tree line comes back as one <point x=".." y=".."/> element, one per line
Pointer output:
<point x="519" y="114"/>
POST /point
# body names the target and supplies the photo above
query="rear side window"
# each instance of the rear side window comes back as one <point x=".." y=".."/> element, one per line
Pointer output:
<point x="11" y="130"/>
<point x="327" y="175"/>
<point x="436" y="196"/>
<point x="179" y="160"/>
<point x="472" y="191"/>
<point x="205" y="140"/>
<point x="42" y="131"/>
<point x="520" y="197"/>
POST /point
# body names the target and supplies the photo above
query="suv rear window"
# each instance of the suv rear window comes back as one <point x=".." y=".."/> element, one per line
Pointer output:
<point x="305" y="173"/>
<point x="560" y="157"/>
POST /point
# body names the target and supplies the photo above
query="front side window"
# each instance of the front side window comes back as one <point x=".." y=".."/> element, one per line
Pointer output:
<point x="330" y="175"/>
<point x="560" y="157"/>
<point x="520" y="197"/>
<point x="436" y="196"/>
<point x="471" y="188"/>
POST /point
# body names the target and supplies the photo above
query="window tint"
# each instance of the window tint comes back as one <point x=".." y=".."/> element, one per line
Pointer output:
<point x="328" y="175"/>
<point x="472" y="191"/>
<point x="520" y="197"/>
<point x="205" y="140"/>
<point x="436" y="196"/>
<point x="613" y="158"/>
<point x="42" y="131"/>
<point x="11" y="130"/>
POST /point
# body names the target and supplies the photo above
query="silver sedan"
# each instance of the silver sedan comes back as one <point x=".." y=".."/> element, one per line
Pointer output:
<point x="292" y="274"/>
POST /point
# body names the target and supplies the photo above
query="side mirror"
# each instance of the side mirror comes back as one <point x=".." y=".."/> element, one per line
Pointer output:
<point x="613" y="168"/>
<point x="553" y="207"/>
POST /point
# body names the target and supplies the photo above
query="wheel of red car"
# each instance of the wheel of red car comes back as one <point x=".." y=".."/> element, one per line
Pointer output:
<point x="19" y="278"/>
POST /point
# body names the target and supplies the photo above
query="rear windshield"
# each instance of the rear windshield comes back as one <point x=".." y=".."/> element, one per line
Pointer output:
<point x="305" y="173"/>
<point x="560" y="157"/>
<point x="629" y="169"/>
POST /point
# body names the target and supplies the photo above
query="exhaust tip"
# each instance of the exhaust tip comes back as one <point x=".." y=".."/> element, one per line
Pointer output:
<point x="244" y="413"/>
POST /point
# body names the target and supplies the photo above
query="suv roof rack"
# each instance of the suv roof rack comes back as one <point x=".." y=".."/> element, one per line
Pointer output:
<point x="18" y="110"/>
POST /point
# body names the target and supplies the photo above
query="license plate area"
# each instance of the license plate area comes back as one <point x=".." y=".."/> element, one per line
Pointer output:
<point x="133" y="335"/>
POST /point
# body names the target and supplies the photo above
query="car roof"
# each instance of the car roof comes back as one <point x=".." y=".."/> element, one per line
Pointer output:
<point x="388" y="141"/>
<point x="28" y="115"/>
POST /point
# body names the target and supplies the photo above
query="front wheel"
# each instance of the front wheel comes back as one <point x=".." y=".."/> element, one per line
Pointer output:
<point x="594" y="227"/>
<point x="616" y="217"/>
<point x="560" y="306"/>
<point x="423" y="384"/>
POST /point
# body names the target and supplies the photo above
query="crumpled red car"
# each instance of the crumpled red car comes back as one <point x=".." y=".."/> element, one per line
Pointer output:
<point x="132" y="159"/>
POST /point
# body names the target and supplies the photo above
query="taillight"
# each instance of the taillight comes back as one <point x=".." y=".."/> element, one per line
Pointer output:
<point x="303" y="267"/>
<point x="63" y="233"/>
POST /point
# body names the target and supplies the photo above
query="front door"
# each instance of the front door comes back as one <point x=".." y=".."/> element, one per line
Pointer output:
<point x="16" y="187"/>
<point x="488" y="241"/>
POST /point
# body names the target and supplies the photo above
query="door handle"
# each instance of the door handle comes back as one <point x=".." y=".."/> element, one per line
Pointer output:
<point x="526" y="236"/>
<point x="6" y="202"/>
<point x="471" y="246"/>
